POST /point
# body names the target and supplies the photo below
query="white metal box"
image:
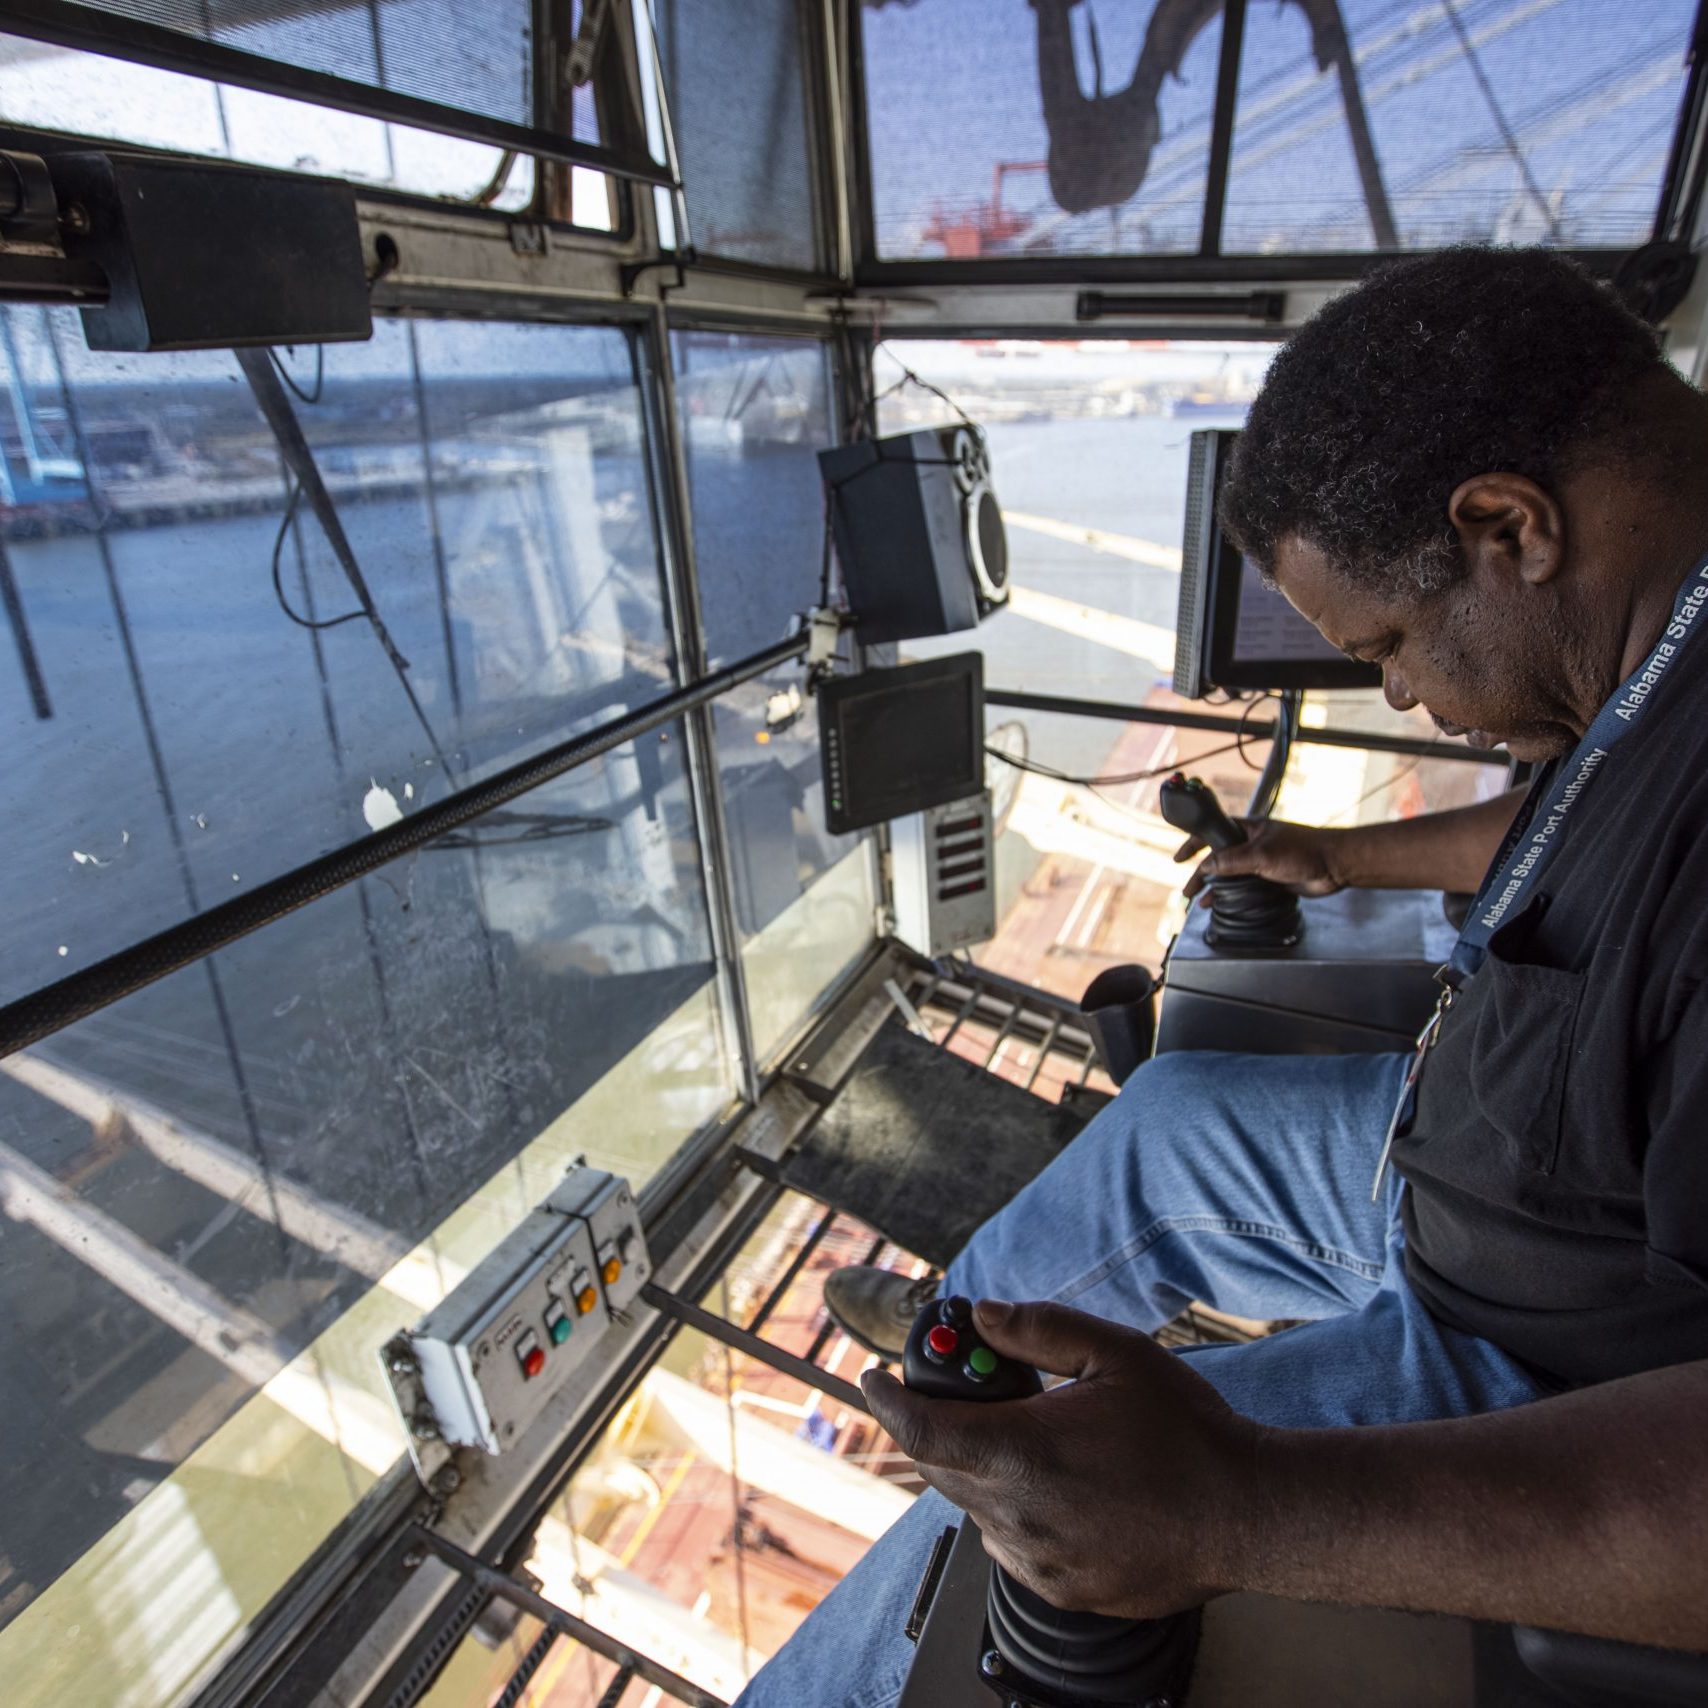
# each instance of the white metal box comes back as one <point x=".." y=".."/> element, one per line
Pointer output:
<point x="481" y="1365"/>
<point x="943" y="876"/>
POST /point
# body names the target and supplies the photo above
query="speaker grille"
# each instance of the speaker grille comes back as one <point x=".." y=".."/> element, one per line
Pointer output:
<point x="1195" y="542"/>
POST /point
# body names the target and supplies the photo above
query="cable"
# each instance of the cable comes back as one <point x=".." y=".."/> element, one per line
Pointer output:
<point x="319" y="375"/>
<point x="909" y="377"/>
<point x="1241" y="736"/>
<point x="1507" y="135"/>
<point x="296" y="617"/>
<point x="1055" y="776"/>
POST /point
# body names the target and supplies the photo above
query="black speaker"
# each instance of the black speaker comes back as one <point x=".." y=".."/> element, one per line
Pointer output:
<point x="918" y="531"/>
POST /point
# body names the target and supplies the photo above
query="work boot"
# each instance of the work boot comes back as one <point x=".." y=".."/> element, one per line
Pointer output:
<point x="876" y="1306"/>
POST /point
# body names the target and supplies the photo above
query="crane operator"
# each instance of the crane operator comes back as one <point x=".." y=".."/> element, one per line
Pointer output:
<point x="1476" y="470"/>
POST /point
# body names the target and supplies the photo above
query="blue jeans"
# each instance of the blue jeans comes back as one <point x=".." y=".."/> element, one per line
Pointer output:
<point x="1241" y="1181"/>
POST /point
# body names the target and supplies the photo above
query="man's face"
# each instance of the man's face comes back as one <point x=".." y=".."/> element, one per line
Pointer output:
<point x="1479" y="662"/>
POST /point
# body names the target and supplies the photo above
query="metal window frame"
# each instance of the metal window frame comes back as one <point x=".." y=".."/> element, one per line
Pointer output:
<point x="116" y="35"/>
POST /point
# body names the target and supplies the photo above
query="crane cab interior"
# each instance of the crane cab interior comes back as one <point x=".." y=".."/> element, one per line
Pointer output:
<point x="600" y="603"/>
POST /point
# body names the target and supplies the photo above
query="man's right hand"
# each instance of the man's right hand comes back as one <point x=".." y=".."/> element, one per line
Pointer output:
<point x="1434" y="851"/>
<point x="1296" y="855"/>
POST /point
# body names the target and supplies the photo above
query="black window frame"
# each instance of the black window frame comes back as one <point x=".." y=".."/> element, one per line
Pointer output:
<point x="84" y="28"/>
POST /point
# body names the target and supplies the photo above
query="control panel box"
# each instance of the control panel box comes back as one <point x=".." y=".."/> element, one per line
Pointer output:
<point x="481" y="1365"/>
<point x="1361" y="978"/>
<point x="943" y="876"/>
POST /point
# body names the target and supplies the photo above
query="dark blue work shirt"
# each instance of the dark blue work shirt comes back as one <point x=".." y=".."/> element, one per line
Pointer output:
<point x="1558" y="1158"/>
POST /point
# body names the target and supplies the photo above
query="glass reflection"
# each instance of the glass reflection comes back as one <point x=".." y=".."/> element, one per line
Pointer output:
<point x="1473" y="121"/>
<point x="1028" y="127"/>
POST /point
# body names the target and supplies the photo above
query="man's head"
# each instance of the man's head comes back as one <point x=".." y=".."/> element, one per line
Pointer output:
<point x="1469" y="469"/>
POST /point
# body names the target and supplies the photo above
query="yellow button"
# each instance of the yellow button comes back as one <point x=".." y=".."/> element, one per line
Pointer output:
<point x="613" y="1268"/>
<point x="585" y="1300"/>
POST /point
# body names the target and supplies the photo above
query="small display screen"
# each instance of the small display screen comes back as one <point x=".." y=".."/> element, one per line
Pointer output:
<point x="1234" y="632"/>
<point x="1268" y="629"/>
<point x="898" y="741"/>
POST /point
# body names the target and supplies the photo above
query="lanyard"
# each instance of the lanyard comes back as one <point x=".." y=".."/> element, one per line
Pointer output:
<point x="1537" y="833"/>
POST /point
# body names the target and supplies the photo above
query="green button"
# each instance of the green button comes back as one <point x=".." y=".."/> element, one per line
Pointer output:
<point x="561" y="1330"/>
<point x="982" y="1360"/>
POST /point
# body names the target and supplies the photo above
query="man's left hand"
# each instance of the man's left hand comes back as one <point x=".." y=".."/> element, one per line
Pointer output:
<point x="1122" y="1492"/>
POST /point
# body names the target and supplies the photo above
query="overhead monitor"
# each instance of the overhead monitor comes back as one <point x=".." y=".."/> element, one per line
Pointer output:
<point x="1234" y="632"/>
<point x="900" y="740"/>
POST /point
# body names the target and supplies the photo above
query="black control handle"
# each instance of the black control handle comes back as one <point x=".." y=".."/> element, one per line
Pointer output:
<point x="1035" y="1655"/>
<point x="945" y="1358"/>
<point x="1190" y="804"/>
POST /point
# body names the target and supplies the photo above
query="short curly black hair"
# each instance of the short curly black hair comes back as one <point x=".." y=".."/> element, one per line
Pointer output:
<point x="1432" y="370"/>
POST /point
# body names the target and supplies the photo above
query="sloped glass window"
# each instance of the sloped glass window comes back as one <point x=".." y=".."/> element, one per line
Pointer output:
<point x="60" y="89"/>
<point x="205" y="699"/>
<point x="734" y="73"/>
<point x="1037" y="127"/>
<point x="1418" y="126"/>
<point x="220" y="1196"/>
<point x="478" y="61"/>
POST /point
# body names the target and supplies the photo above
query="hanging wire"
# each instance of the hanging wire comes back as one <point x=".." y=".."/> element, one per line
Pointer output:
<point x="319" y="375"/>
<point x="1037" y="768"/>
<point x="1242" y="735"/>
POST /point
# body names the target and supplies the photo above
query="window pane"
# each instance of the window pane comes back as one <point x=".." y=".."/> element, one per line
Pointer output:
<point x="253" y="1172"/>
<point x="1341" y="786"/>
<point x="755" y="412"/>
<point x="61" y="89"/>
<point x="1089" y="445"/>
<point x="190" y="736"/>
<point x="1089" y="450"/>
<point x="1085" y="874"/>
<point x="1506" y="121"/>
<point x="472" y="60"/>
<point x="1004" y="127"/>
<point x="734" y="73"/>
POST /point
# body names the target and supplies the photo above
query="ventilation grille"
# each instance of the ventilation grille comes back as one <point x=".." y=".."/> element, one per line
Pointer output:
<point x="960" y="856"/>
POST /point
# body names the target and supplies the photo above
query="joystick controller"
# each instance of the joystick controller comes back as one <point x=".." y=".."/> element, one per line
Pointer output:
<point x="946" y="1360"/>
<point x="1035" y="1655"/>
<point x="1246" y="913"/>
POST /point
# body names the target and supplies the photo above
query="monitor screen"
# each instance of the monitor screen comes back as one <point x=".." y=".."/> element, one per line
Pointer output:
<point x="1234" y="632"/>
<point x="900" y="740"/>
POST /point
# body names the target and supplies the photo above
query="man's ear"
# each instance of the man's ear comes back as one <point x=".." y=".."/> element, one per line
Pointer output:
<point x="1508" y="524"/>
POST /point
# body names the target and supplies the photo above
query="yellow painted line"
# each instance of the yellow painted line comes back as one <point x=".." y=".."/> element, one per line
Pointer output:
<point x="644" y="1529"/>
<point x="1129" y="546"/>
<point x="1148" y="641"/>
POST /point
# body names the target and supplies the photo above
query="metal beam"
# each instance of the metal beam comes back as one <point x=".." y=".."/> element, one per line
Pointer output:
<point x="344" y="1235"/>
<point x="183" y="1301"/>
<point x="506" y="1588"/>
<point x="34" y="1017"/>
<point x="731" y="1335"/>
<point x="1328" y="736"/>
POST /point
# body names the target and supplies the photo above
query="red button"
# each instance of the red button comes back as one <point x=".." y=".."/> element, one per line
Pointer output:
<point x="534" y="1363"/>
<point x="942" y="1341"/>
